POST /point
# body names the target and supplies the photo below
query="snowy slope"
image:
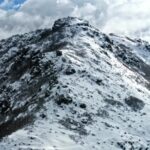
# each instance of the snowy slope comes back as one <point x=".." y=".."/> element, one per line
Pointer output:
<point x="74" y="88"/>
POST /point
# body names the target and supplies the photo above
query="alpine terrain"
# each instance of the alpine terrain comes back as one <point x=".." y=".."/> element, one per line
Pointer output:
<point x="73" y="87"/>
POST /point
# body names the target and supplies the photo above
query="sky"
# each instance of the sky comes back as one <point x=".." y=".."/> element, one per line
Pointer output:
<point x="123" y="17"/>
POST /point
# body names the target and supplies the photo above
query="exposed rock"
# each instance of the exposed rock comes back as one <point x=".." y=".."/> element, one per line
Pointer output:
<point x="135" y="103"/>
<point x="4" y="106"/>
<point x="64" y="100"/>
<point x="74" y="125"/>
<point x="102" y="113"/>
<point x="82" y="105"/>
<point x="113" y="102"/>
<point x="99" y="81"/>
<point x="59" y="53"/>
<point x="70" y="71"/>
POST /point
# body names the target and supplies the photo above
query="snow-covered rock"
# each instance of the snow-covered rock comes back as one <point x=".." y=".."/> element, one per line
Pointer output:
<point x="74" y="88"/>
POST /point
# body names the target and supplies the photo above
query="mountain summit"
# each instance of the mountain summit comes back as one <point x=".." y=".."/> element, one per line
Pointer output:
<point x="73" y="87"/>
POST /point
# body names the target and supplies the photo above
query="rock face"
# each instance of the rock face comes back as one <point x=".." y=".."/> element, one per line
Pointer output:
<point x="73" y="87"/>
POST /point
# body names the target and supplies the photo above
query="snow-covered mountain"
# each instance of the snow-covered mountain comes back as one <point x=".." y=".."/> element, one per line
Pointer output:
<point x="74" y="88"/>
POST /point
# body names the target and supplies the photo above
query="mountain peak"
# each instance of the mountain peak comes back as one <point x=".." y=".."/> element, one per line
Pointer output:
<point x="68" y="21"/>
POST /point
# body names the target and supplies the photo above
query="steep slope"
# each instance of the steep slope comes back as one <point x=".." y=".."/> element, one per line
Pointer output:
<point x="74" y="88"/>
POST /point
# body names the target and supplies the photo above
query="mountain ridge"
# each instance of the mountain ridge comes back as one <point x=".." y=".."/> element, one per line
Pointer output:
<point x="81" y="88"/>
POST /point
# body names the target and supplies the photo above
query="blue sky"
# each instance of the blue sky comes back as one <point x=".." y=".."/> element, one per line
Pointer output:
<point x="11" y="4"/>
<point x="15" y="1"/>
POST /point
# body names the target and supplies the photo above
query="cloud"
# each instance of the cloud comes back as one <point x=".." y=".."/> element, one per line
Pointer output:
<point x="129" y="17"/>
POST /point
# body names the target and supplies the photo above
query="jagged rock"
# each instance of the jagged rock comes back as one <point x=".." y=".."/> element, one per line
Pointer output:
<point x="60" y="23"/>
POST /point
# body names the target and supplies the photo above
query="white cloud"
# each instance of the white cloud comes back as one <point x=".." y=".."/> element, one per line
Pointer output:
<point x="130" y="17"/>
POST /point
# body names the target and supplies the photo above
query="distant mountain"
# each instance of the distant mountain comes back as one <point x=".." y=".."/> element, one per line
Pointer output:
<point x="74" y="88"/>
